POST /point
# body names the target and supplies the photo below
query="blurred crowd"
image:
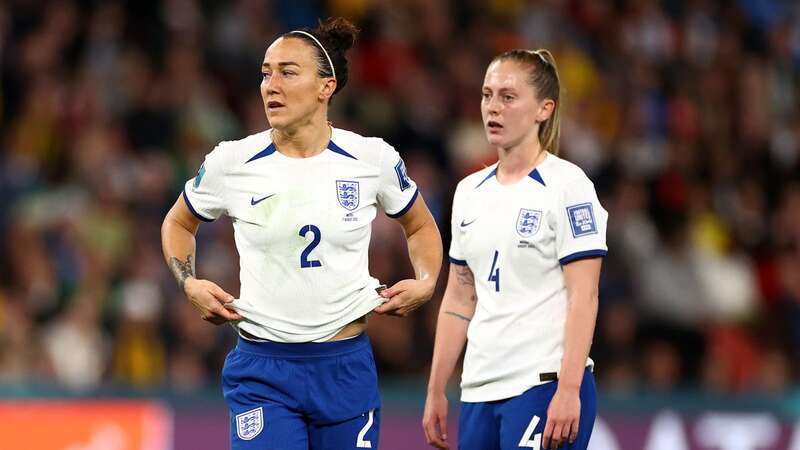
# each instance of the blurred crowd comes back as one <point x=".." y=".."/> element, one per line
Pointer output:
<point x="685" y="114"/>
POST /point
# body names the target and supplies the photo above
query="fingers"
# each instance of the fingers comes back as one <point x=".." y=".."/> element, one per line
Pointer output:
<point x="432" y="435"/>
<point x="558" y="432"/>
<point x="219" y="315"/>
<point x="220" y="294"/>
<point x="556" y="436"/>
<point x="443" y="425"/>
<point x="397" y="288"/>
<point x="548" y="433"/>
<point x="404" y="297"/>
<point x="229" y="314"/>
<point x="573" y="435"/>
<point x="394" y="307"/>
<point x="215" y="304"/>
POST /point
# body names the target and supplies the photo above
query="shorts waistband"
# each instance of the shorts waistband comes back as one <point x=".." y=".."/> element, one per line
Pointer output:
<point x="305" y="349"/>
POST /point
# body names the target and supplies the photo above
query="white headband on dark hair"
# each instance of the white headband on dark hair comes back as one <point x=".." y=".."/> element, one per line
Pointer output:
<point x="330" y="62"/>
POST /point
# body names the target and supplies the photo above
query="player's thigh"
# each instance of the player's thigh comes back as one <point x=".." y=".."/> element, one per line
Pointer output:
<point x="478" y="428"/>
<point x="523" y="418"/>
<point x="268" y="427"/>
<point x="357" y="433"/>
<point x="262" y="405"/>
<point x="522" y="421"/>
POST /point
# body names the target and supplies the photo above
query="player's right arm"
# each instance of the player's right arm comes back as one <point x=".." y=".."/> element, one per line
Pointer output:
<point x="455" y="313"/>
<point x="178" y="244"/>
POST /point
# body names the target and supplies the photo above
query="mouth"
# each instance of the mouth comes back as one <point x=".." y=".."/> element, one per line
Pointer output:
<point x="493" y="126"/>
<point x="273" y="105"/>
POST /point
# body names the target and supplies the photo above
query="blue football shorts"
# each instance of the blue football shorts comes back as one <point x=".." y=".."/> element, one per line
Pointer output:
<point x="310" y="396"/>
<point x="518" y="422"/>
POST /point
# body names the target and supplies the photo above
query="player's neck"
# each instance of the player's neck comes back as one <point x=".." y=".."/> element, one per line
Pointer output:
<point x="304" y="140"/>
<point x="515" y="163"/>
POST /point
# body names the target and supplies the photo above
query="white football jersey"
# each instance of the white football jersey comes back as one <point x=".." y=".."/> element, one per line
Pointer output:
<point x="302" y="228"/>
<point x="515" y="238"/>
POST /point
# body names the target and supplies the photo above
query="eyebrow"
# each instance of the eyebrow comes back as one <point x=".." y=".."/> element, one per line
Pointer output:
<point x="281" y="64"/>
<point x="502" y="90"/>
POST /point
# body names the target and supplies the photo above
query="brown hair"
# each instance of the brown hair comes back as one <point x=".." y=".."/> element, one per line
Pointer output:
<point x="544" y="79"/>
<point x="337" y="35"/>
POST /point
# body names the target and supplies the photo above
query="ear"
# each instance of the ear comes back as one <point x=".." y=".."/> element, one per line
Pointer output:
<point x="328" y="87"/>
<point x="546" y="108"/>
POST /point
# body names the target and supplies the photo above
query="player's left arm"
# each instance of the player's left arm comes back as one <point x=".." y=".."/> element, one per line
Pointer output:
<point x="425" y="252"/>
<point x="563" y="415"/>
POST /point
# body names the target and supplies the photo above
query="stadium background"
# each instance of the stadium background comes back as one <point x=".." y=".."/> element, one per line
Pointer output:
<point x="685" y="114"/>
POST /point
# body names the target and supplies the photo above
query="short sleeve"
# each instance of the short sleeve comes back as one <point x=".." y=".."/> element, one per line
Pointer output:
<point x="397" y="191"/>
<point x="204" y="194"/>
<point x="580" y="222"/>
<point x="455" y="254"/>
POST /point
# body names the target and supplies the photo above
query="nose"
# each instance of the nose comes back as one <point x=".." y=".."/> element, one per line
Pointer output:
<point x="271" y="85"/>
<point x="493" y="105"/>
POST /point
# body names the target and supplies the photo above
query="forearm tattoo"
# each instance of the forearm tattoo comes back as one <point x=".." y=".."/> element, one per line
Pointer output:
<point x="182" y="269"/>
<point x="455" y="314"/>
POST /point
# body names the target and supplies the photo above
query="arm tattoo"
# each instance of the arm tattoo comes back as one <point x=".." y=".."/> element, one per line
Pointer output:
<point x="464" y="275"/>
<point x="454" y="314"/>
<point x="182" y="269"/>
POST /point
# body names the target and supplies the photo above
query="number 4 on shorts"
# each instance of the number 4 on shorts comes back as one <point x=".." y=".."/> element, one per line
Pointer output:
<point x="534" y="442"/>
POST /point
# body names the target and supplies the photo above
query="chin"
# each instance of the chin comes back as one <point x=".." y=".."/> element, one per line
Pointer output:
<point x="276" y="122"/>
<point x="495" y="140"/>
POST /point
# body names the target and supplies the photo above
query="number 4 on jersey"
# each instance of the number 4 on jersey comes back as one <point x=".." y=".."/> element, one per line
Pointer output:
<point x="494" y="273"/>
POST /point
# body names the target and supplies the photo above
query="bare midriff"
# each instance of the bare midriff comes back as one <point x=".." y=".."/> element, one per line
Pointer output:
<point x="353" y="328"/>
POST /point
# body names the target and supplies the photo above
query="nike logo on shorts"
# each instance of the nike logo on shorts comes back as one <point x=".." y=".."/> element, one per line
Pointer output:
<point x="464" y="224"/>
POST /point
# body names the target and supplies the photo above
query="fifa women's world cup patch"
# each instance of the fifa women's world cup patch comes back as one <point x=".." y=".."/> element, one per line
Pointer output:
<point x="250" y="423"/>
<point x="528" y="222"/>
<point x="347" y="193"/>
<point x="581" y="218"/>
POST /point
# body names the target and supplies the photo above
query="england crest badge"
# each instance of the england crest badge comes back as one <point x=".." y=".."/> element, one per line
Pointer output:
<point x="528" y="222"/>
<point x="249" y="424"/>
<point x="347" y="194"/>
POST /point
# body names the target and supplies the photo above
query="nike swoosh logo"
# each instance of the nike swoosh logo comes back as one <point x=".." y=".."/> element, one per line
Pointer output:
<point x="254" y="202"/>
<point x="464" y="224"/>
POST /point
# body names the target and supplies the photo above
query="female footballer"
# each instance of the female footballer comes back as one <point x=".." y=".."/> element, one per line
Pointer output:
<point x="302" y="196"/>
<point x="528" y="238"/>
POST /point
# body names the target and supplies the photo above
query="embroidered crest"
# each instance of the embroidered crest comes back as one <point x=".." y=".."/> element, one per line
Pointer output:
<point x="347" y="193"/>
<point x="528" y="222"/>
<point x="402" y="175"/>
<point x="199" y="177"/>
<point x="250" y="423"/>
<point x="581" y="218"/>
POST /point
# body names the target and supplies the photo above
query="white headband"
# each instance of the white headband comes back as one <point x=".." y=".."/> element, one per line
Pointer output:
<point x="320" y="46"/>
<point x="540" y="55"/>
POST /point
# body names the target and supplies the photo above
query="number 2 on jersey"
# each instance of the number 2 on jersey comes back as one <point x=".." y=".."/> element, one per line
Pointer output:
<point x="304" y="261"/>
<point x="494" y="273"/>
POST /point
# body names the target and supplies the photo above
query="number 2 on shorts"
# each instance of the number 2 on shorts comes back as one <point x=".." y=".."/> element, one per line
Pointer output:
<point x="360" y="442"/>
<point x="534" y="442"/>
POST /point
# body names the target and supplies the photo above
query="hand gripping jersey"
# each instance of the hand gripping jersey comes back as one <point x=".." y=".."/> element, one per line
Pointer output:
<point x="302" y="228"/>
<point x="515" y="238"/>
